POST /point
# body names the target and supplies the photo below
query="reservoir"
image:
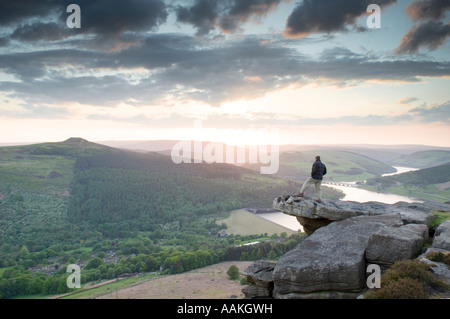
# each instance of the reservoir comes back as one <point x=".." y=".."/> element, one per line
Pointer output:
<point x="282" y="219"/>
<point x="362" y="195"/>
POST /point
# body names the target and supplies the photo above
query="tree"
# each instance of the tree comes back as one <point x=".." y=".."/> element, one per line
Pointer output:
<point x="233" y="272"/>
<point x="94" y="263"/>
<point x="23" y="252"/>
<point x="272" y="255"/>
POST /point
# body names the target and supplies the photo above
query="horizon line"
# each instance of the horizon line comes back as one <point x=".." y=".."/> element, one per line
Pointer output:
<point x="17" y="143"/>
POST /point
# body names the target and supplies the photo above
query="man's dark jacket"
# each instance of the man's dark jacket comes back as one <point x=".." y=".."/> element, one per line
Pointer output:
<point x="318" y="170"/>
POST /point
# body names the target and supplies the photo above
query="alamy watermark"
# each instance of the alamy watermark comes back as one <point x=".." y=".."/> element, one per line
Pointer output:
<point x="374" y="20"/>
<point x="266" y="153"/>
<point x="74" y="280"/>
<point x="374" y="279"/>
<point x="74" y="19"/>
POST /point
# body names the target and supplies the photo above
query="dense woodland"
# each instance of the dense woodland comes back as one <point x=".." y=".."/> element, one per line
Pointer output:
<point x="127" y="213"/>
<point x="128" y="192"/>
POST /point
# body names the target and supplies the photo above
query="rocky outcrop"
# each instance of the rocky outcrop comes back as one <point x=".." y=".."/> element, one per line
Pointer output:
<point x="441" y="244"/>
<point x="260" y="279"/>
<point x="332" y="261"/>
<point x="312" y="215"/>
<point x="389" y="245"/>
<point x="442" y="236"/>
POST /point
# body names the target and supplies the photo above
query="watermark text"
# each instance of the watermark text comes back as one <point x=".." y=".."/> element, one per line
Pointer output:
<point x="216" y="152"/>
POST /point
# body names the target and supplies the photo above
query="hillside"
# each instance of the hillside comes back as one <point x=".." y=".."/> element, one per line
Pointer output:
<point x="44" y="168"/>
<point x="46" y="189"/>
<point x="423" y="159"/>
<point x="117" y="212"/>
<point x="428" y="176"/>
<point x="129" y="191"/>
<point x="429" y="183"/>
<point x="35" y="191"/>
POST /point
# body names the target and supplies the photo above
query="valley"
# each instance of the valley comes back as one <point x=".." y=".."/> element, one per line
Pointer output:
<point x="121" y="212"/>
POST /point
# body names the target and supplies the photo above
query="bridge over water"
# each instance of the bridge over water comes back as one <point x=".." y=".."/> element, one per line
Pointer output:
<point x="340" y="184"/>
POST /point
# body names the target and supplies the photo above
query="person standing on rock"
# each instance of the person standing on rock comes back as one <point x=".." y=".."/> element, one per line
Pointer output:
<point x="319" y="170"/>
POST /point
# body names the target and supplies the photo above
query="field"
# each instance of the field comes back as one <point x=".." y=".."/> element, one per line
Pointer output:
<point x="210" y="282"/>
<point x="241" y="222"/>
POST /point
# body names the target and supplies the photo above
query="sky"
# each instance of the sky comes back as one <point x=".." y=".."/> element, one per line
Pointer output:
<point x="313" y="71"/>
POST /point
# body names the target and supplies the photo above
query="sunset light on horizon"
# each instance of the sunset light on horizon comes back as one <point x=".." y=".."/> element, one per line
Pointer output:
<point x="314" y="71"/>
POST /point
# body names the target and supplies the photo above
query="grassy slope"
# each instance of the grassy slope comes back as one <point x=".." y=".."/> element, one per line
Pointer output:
<point x="34" y="189"/>
<point x="210" y="282"/>
<point x="35" y="181"/>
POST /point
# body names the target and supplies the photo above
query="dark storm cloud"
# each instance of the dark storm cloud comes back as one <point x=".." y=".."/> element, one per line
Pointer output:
<point x="241" y="10"/>
<point x="327" y="16"/>
<point x="4" y="41"/>
<point x="203" y="15"/>
<point x="227" y="15"/>
<point x="428" y="9"/>
<point x="114" y="17"/>
<point x="39" y="31"/>
<point x="430" y="34"/>
<point x="105" y="19"/>
<point x="14" y="11"/>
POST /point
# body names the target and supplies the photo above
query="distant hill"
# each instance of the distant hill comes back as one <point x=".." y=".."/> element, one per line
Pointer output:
<point x="428" y="176"/>
<point x="423" y="159"/>
<point x="431" y="183"/>
<point x="383" y="153"/>
<point x="341" y="165"/>
<point x="45" y="167"/>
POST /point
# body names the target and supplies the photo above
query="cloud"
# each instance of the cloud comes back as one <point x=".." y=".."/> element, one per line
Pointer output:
<point x="227" y="15"/>
<point x="39" y="31"/>
<point x="430" y="34"/>
<point x="101" y="20"/>
<point x="14" y="11"/>
<point x="4" y="41"/>
<point x="428" y="9"/>
<point x="325" y="16"/>
<point x="115" y="17"/>
<point x="241" y="11"/>
<point x="202" y="15"/>
<point x="407" y="100"/>
<point x="167" y="69"/>
<point x="437" y="113"/>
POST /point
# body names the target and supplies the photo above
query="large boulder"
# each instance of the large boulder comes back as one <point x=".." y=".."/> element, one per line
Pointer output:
<point x="441" y="245"/>
<point x="331" y="262"/>
<point x="442" y="236"/>
<point x="260" y="279"/>
<point x="389" y="245"/>
<point x="344" y="238"/>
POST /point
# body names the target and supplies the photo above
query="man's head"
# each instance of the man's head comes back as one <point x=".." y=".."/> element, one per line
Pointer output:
<point x="317" y="158"/>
